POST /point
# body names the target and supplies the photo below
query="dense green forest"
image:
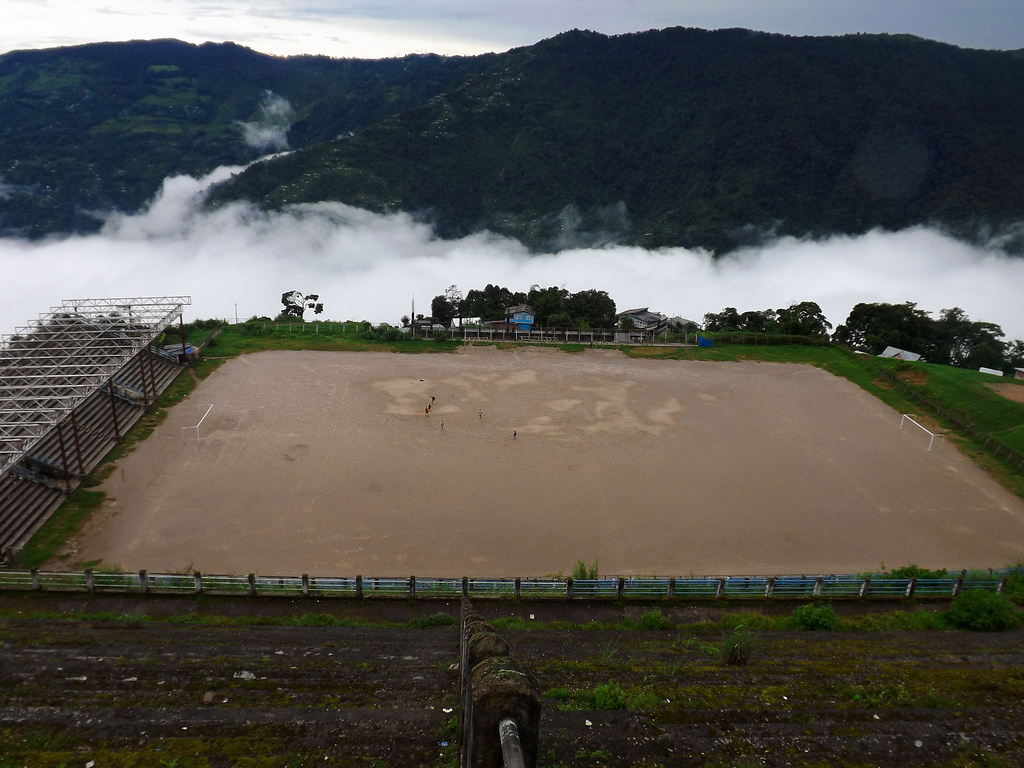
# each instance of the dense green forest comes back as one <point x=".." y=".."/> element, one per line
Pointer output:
<point x="97" y="128"/>
<point x="662" y="138"/>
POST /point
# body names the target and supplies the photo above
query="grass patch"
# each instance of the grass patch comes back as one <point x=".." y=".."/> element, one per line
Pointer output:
<point x="60" y="527"/>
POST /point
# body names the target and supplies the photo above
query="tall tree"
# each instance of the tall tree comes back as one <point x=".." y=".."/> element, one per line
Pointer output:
<point x="967" y="344"/>
<point x="873" y="327"/>
<point x="591" y="309"/>
<point x="803" y="319"/>
<point x="547" y="303"/>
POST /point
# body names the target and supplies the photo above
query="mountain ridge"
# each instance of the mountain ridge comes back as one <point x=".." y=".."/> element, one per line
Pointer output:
<point x="675" y="137"/>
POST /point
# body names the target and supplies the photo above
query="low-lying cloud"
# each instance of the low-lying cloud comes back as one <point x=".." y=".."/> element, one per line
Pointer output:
<point x="269" y="131"/>
<point x="238" y="260"/>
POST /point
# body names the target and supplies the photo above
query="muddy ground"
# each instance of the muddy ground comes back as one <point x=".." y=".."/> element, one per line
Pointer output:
<point x="181" y="681"/>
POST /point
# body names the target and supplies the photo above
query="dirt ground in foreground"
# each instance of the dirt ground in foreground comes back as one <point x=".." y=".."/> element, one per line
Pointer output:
<point x="112" y="692"/>
<point x="531" y="459"/>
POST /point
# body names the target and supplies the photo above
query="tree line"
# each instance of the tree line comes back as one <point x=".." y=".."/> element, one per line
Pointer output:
<point x="553" y="307"/>
<point x="952" y="338"/>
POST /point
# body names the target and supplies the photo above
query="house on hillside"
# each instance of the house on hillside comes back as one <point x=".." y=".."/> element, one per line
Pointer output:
<point x="1018" y="373"/>
<point x="520" y="317"/>
<point x="900" y="354"/>
<point x="641" y="323"/>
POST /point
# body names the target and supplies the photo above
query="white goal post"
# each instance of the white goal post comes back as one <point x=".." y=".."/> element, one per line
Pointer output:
<point x="203" y="408"/>
<point x="931" y="435"/>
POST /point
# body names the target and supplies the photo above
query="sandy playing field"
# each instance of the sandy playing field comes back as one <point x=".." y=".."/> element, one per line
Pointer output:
<point x="532" y="459"/>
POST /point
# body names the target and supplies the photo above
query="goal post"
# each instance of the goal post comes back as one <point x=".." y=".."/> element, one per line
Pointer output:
<point x="931" y="435"/>
<point x="202" y="410"/>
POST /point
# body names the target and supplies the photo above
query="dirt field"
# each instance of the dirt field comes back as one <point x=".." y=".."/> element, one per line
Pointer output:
<point x="531" y="459"/>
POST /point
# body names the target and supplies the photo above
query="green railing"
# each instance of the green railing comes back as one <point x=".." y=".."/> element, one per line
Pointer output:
<point x="801" y="587"/>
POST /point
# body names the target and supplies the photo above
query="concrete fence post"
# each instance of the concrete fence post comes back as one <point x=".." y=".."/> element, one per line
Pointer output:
<point x="672" y="588"/>
<point x="359" y="587"/>
<point x="251" y="579"/>
<point x="412" y="587"/>
<point x="568" y="588"/>
<point x="305" y="585"/>
<point x="144" y="581"/>
<point x="911" y="586"/>
<point x="90" y="583"/>
<point x="620" y="588"/>
<point x="864" y="586"/>
<point x="34" y="575"/>
<point x="197" y="580"/>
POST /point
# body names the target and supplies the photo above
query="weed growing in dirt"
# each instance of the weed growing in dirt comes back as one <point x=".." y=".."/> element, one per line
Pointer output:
<point x="583" y="572"/>
<point x="983" y="612"/>
<point x="815" y="618"/>
<point x="654" y="620"/>
<point x="433" y="620"/>
<point x="737" y="646"/>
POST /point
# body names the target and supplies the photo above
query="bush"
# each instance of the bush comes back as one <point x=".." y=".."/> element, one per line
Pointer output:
<point x="1015" y="585"/>
<point x="737" y="647"/>
<point x="433" y="620"/>
<point x="913" y="571"/>
<point x="583" y="572"/>
<point x="609" y="696"/>
<point x="982" y="611"/>
<point x="815" y="618"/>
<point x="654" y="620"/>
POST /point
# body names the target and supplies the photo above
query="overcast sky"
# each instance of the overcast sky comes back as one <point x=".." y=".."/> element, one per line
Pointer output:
<point x="382" y="28"/>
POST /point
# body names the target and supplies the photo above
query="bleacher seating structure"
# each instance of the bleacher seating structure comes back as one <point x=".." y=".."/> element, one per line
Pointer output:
<point x="71" y="384"/>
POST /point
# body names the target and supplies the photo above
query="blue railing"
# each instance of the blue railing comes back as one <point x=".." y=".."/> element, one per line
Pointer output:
<point x="831" y="587"/>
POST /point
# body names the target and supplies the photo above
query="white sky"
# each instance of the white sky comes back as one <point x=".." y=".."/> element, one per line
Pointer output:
<point x="382" y="28"/>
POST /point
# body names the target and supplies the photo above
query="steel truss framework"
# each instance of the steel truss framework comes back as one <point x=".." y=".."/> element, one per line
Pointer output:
<point x="49" y="367"/>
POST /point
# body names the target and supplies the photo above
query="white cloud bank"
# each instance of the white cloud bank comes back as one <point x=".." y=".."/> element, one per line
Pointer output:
<point x="237" y="261"/>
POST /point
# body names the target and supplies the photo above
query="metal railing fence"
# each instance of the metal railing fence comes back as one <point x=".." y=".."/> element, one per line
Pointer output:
<point x="797" y="587"/>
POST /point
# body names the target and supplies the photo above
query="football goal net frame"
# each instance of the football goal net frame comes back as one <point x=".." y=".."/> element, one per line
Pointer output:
<point x="201" y="406"/>
<point x="931" y="435"/>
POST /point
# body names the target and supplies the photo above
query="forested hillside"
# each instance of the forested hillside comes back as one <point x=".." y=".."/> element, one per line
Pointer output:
<point x="96" y="128"/>
<point x="672" y="137"/>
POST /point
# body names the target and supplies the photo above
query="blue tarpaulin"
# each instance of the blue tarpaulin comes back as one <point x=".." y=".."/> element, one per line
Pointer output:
<point x="702" y="342"/>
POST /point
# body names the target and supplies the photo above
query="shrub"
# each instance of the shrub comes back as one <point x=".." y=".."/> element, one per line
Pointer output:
<point x="433" y="620"/>
<point x="815" y="618"/>
<point x="982" y="611"/>
<point x="654" y="620"/>
<point x="737" y="647"/>
<point x="1015" y="585"/>
<point x="609" y="696"/>
<point x="913" y="571"/>
<point x="584" y="572"/>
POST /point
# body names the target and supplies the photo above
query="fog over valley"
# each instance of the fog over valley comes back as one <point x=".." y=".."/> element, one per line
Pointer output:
<point x="238" y="260"/>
